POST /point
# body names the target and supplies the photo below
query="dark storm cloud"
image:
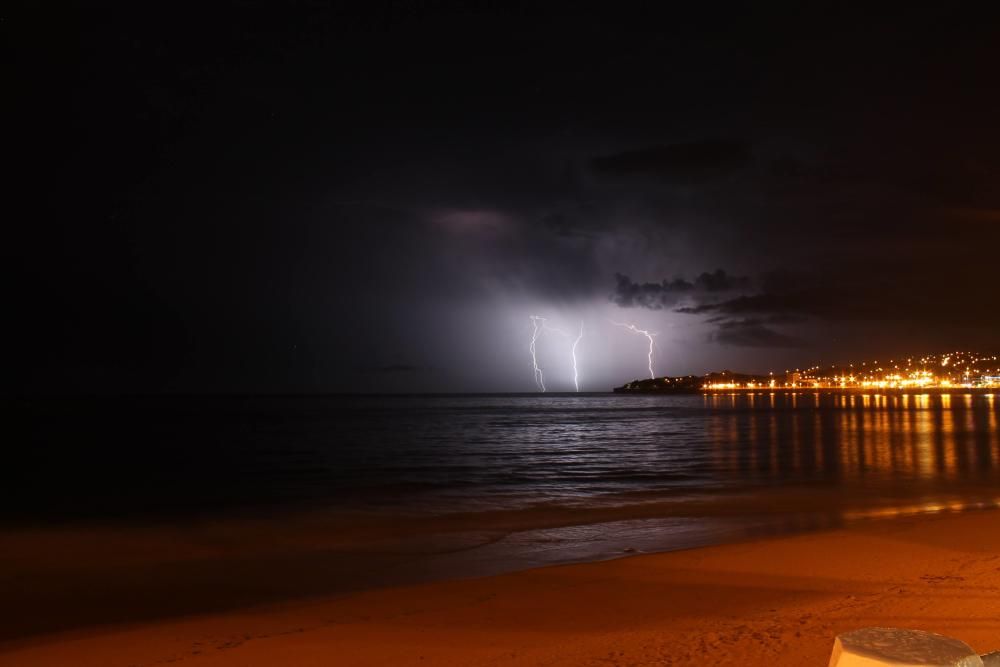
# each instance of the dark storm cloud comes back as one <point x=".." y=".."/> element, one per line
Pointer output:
<point x="852" y="294"/>
<point x="751" y="332"/>
<point x="741" y="321"/>
<point x="262" y="200"/>
<point x="798" y="302"/>
<point x="681" y="162"/>
<point x="781" y="299"/>
<point x="906" y="295"/>
<point x="772" y="309"/>
<point x="656" y="296"/>
<point x="746" y="320"/>
<point x="756" y="320"/>
<point x="720" y="281"/>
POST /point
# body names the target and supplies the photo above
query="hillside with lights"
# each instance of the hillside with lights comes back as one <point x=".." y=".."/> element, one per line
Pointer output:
<point x="934" y="372"/>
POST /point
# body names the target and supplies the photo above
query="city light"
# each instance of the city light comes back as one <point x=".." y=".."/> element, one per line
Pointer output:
<point x="952" y="370"/>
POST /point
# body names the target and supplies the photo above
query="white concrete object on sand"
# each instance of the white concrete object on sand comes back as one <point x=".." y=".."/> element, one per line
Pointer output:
<point x="992" y="659"/>
<point x="870" y="647"/>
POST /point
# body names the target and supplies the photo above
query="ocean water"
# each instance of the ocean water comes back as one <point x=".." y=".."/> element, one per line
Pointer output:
<point x="514" y="479"/>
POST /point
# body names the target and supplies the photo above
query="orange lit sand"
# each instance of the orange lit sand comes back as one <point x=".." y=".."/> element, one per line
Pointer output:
<point x="775" y="602"/>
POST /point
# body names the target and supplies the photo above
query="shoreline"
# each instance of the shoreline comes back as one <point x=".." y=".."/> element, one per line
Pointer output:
<point x="152" y="571"/>
<point x="857" y="391"/>
<point x="749" y="598"/>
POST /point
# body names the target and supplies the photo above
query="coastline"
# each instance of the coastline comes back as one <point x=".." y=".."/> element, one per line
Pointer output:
<point x="777" y="601"/>
<point x="762" y="391"/>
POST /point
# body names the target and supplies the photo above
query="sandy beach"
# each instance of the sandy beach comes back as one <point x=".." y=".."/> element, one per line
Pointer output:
<point x="775" y="601"/>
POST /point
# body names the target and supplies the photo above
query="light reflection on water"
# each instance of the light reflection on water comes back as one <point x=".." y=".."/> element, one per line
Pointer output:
<point x="510" y="460"/>
<point x="595" y="449"/>
<point x="434" y="486"/>
<point x="850" y="438"/>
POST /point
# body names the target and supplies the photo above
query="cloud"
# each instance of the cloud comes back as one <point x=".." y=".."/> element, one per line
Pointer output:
<point x="682" y="162"/>
<point x="751" y="332"/>
<point x="656" y="296"/>
<point x="801" y="302"/>
<point x="720" y="281"/>
<point x="744" y="320"/>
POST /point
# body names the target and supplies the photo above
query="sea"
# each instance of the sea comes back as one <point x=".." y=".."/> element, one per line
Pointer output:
<point x="464" y="485"/>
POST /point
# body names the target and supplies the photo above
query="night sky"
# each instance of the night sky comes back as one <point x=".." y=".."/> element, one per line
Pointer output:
<point x="330" y="198"/>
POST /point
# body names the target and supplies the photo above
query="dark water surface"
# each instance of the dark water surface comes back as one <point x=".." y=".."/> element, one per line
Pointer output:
<point x="117" y="510"/>
<point x="510" y="460"/>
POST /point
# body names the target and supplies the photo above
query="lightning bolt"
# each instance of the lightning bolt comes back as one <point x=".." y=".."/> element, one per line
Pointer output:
<point x="647" y="334"/>
<point x="538" y="324"/>
<point x="576" y="375"/>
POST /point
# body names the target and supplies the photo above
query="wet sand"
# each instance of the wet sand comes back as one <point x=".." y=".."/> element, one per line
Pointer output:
<point x="775" y="601"/>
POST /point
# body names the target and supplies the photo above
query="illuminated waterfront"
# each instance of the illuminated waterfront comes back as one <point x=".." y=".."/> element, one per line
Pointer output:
<point x="955" y="371"/>
<point x="965" y="370"/>
<point x="858" y="438"/>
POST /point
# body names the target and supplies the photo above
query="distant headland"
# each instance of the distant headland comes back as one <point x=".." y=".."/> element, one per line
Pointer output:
<point x="932" y="373"/>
